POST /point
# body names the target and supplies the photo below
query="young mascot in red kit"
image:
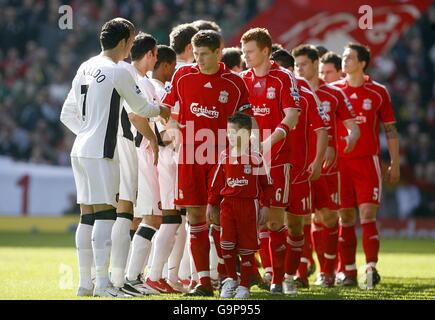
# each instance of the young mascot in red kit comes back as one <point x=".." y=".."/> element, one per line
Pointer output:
<point x="241" y="179"/>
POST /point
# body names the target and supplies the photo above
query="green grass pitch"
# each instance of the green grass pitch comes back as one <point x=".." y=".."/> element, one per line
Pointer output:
<point x="44" y="266"/>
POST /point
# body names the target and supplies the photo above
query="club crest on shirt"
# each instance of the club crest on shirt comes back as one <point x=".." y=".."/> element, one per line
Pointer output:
<point x="270" y="93"/>
<point x="367" y="104"/>
<point x="223" y="97"/>
<point x="247" y="169"/>
<point x="326" y="106"/>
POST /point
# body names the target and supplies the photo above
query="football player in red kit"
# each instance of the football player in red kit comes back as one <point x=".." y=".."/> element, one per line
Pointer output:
<point x="208" y="93"/>
<point x="324" y="191"/>
<point x="275" y="103"/>
<point x="360" y="170"/>
<point x="241" y="178"/>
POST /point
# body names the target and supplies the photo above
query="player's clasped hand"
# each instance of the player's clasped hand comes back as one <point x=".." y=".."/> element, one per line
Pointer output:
<point x="165" y="112"/>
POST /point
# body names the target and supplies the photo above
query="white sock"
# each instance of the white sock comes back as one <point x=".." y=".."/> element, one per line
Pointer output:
<point x="140" y="251"/>
<point x="120" y="248"/>
<point x="176" y="256"/>
<point x="149" y="259"/>
<point x="84" y="254"/>
<point x="101" y="245"/>
<point x="129" y="249"/>
<point x="163" y="244"/>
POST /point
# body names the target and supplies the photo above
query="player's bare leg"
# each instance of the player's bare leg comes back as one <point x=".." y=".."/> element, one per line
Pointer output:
<point x="295" y="243"/>
<point x="348" y="242"/>
<point x="121" y="242"/>
<point x="370" y="241"/>
<point x="330" y="241"/>
<point x="277" y="247"/>
<point x="200" y="247"/>
<point x="84" y="250"/>
<point x="105" y="216"/>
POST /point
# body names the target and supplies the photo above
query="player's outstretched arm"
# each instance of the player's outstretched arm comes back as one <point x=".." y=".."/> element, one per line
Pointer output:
<point x="138" y="102"/>
<point x="393" y="173"/>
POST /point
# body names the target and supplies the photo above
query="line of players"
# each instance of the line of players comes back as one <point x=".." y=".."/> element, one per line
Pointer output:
<point x="314" y="158"/>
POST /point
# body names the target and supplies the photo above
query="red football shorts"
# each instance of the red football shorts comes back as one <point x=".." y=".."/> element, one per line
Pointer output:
<point x="239" y="222"/>
<point x="300" y="199"/>
<point x="360" y="181"/>
<point x="280" y="175"/>
<point x="193" y="183"/>
<point x="324" y="192"/>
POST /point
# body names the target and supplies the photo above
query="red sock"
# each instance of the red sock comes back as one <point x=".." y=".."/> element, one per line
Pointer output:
<point x="200" y="247"/>
<point x="246" y="263"/>
<point x="278" y="252"/>
<point x="216" y="234"/>
<point x="348" y="246"/>
<point x="264" y="249"/>
<point x="339" y="265"/>
<point x="370" y="241"/>
<point x="293" y="253"/>
<point x="306" y="253"/>
<point x="330" y="239"/>
<point x="317" y="243"/>
<point x="230" y="263"/>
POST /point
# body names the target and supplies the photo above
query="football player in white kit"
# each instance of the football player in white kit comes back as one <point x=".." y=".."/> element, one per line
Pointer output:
<point x="146" y="210"/>
<point x="143" y="55"/>
<point x="166" y="171"/>
<point x="92" y="110"/>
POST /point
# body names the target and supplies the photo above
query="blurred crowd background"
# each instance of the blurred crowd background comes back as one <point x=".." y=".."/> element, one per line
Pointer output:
<point x="38" y="61"/>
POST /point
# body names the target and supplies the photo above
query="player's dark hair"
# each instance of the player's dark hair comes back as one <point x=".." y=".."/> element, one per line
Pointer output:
<point x="321" y="50"/>
<point x="143" y="43"/>
<point x="207" y="38"/>
<point x="114" y="31"/>
<point x="363" y="53"/>
<point x="332" y="57"/>
<point x="181" y="36"/>
<point x="206" y="25"/>
<point x="164" y="54"/>
<point x="284" y="58"/>
<point x="276" y="47"/>
<point x="261" y="36"/>
<point x="306" y="50"/>
<point x="241" y="119"/>
<point x="232" y="57"/>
